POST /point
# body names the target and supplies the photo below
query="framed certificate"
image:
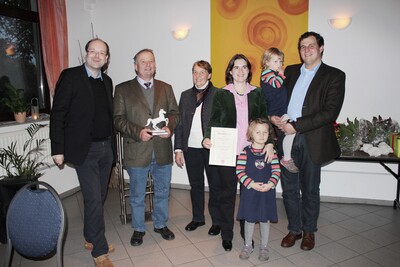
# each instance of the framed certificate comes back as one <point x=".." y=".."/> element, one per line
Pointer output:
<point x="223" y="146"/>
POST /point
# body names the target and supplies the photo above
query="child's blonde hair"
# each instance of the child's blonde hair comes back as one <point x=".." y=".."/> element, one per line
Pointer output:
<point x="253" y="124"/>
<point x="267" y="57"/>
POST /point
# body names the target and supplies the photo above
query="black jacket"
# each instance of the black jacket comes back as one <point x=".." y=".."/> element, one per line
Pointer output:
<point x="73" y="110"/>
<point x="187" y="108"/>
<point x="321" y="107"/>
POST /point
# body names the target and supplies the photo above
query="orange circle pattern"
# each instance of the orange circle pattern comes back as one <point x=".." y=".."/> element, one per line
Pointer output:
<point x="231" y="9"/>
<point x="266" y="30"/>
<point x="294" y="7"/>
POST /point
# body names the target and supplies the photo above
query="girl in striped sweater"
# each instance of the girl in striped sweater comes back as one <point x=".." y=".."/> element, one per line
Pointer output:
<point x="259" y="179"/>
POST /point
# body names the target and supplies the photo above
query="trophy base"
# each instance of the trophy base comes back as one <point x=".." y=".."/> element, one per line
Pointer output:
<point x="158" y="132"/>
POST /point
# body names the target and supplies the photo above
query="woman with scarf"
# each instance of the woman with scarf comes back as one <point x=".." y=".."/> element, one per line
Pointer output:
<point x="234" y="106"/>
<point x="195" y="112"/>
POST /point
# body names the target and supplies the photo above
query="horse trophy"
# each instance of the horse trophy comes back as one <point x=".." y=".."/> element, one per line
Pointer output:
<point x="154" y="122"/>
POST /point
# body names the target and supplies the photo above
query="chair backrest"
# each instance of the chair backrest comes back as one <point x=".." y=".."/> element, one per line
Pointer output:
<point x="36" y="222"/>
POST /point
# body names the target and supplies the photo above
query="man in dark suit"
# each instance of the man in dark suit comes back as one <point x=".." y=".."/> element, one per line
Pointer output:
<point x="135" y="102"/>
<point x="316" y="94"/>
<point x="82" y="133"/>
<point x="195" y="112"/>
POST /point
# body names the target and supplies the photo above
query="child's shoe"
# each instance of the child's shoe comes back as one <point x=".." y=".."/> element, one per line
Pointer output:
<point x="289" y="165"/>
<point x="246" y="251"/>
<point x="264" y="253"/>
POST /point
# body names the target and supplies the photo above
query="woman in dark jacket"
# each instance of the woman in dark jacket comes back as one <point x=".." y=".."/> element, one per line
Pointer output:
<point x="234" y="106"/>
<point x="195" y="112"/>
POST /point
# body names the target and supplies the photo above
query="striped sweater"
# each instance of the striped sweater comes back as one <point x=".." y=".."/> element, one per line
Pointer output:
<point x="245" y="179"/>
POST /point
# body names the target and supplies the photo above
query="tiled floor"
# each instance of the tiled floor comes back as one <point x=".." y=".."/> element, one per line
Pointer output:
<point x="349" y="235"/>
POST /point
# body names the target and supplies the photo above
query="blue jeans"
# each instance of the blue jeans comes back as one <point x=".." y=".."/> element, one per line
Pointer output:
<point x="302" y="211"/>
<point x="93" y="175"/>
<point x="161" y="180"/>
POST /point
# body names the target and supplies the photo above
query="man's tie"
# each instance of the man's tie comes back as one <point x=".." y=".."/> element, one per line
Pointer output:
<point x="147" y="85"/>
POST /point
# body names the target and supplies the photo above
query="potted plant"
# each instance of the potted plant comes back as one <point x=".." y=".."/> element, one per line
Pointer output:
<point x="15" y="101"/>
<point x="22" y="166"/>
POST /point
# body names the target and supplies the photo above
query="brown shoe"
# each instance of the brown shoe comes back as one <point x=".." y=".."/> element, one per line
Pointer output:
<point x="308" y="241"/>
<point x="289" y="240"/>
<point x="103" y="261"/>
<point x="89" y="246"/>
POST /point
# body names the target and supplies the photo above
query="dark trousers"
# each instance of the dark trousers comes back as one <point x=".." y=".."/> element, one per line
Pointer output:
<point x="196" y="160"/>
<point x="227" y="200"/>
<point x="93" y="176"/>
<point x="302" y="210"/>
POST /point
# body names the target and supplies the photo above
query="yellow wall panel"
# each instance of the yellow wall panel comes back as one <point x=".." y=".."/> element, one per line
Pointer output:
<point x="250" y="27"/>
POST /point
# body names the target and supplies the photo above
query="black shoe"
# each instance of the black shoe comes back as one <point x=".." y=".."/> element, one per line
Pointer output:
<point x="137" y="238"/>
<point x="227" y="245"/>
<point x="193" y="225"/>
<point x="214" y="230"/>
<point x="165" y="233"/>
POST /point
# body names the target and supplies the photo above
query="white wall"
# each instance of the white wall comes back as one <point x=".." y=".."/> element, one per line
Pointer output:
<point x="367" y="51"/>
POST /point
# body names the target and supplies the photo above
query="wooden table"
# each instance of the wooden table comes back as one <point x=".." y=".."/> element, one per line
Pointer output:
<point x="360" y="156"/>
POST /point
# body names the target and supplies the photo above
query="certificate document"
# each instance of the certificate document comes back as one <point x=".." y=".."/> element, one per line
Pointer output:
<point x="223" y="146"/>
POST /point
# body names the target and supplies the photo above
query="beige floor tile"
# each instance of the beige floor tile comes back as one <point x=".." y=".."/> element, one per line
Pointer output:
<point x="157" y="259"/>
<point x="349" y="235"/>
<point x="185" y="254"/>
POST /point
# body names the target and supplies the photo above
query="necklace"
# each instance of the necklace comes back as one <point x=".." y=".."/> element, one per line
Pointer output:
<point x="256" y="151"/>
<point x="240" y="90"/>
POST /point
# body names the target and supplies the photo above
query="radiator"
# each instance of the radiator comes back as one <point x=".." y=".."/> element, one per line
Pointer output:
<point x="21" y="136"/>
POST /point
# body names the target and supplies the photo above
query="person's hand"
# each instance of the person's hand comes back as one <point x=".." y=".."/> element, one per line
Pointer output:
<point x="276" y="120"/>
<point x="58" y="159"/>
<point x="288" y="128"/>
<point x="257" y="186"/>
<point x="269" y="152"/>
<point x="179" y="159"/>
<point x="168" y="134"/>
<point x="266" y="187"/>
<point x="207" y="143"/>
<point x="145" y="135"/>
<point x="280" y="70"/>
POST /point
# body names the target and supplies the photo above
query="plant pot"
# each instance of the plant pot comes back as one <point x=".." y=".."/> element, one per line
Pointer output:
<point x="8" y="189"/>
<point x="20" y="117"/>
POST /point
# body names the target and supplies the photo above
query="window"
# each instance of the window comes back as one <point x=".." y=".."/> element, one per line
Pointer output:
<point x="21" y="63"/>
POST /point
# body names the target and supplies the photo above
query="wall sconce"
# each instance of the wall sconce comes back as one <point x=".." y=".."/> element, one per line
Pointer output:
<point x="340" y="23"/>
<point x="180" y="34"/>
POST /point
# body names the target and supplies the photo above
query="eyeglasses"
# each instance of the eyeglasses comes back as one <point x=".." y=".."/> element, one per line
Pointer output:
<point x="94" y="53"/>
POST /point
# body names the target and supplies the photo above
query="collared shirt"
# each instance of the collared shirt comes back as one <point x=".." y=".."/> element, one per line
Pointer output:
<point x="89" y="74"/>
<point x="141" y="81"/>
<point x="148" y="92"/>
<point x="300" y="90"/>
<point x="242" y="115"/>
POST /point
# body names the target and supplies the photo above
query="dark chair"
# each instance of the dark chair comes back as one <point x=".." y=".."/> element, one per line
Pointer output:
<point x="36" y="223"/>
<point x="124" y="187"/>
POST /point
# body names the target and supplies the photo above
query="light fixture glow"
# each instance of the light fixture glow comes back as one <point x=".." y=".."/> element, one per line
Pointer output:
<point x="180" y="34"/>
<point x="340" y="23"/>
